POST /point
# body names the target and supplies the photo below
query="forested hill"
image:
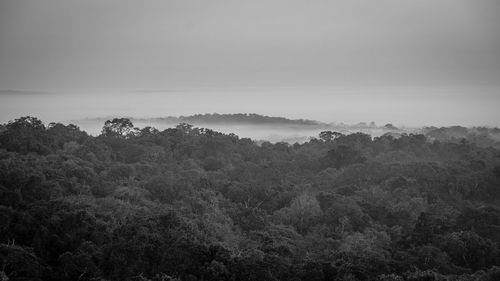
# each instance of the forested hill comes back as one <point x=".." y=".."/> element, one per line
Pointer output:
<point x="242" y="118"/>
<point x="235" y="118"/>
<point x="189" y="203"/>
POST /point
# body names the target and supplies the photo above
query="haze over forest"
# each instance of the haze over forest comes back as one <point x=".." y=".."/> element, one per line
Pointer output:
<point x="402" y="107"/>
<point x="221" y="140"/>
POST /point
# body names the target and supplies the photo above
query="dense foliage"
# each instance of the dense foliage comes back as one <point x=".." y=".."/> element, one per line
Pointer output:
<point x="194" y="204"/>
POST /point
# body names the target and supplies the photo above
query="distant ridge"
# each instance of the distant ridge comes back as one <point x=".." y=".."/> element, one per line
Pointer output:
<point x="253" y="119"/>
<point x="216" y="118"/>
<point x="249" y="118"/>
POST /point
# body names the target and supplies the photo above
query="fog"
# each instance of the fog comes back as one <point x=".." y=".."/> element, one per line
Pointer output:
<point x="258" y="132"/>
<point x="399" y="106"/>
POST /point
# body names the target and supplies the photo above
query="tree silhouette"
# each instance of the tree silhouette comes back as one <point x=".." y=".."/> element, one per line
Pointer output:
<point x="118" y="127"/>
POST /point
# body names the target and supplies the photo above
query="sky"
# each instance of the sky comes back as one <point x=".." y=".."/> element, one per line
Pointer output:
<point x="414" y="62"/>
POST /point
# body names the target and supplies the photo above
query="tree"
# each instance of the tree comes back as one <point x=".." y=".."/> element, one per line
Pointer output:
<point x="468" y="249"/>
<point x="118" y="127"/>
<point x="62" y="134"/>
<point x="19" y="263"/>
<point x="24" y="135"/>
<point x="342" y="156"/>
<point x="304" y="211"/>
<point x="328" y="136"/>
<point x="163" y="188"/>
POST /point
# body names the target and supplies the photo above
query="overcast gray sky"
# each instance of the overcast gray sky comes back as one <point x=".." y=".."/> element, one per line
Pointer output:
<point x="418" y="47"/>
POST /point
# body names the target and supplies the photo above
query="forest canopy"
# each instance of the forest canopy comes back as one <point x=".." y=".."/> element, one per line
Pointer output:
<point x="190" y="203"/>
